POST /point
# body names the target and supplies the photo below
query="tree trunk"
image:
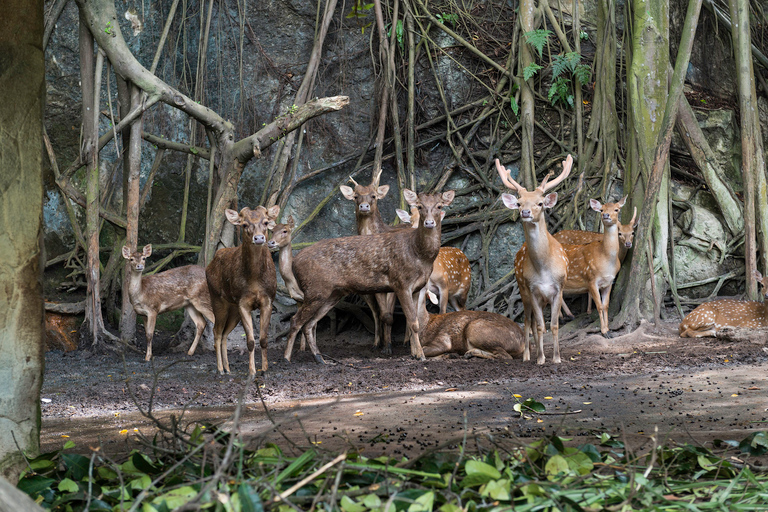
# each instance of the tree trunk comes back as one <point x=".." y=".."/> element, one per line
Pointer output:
<point x="527" y="176"/>
<point x="22" y="79"/>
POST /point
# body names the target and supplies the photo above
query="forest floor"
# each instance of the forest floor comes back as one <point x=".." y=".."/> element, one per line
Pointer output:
<point x="691" y="390"/>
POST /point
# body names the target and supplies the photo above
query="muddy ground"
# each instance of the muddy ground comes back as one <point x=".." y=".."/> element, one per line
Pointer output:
<point x="691" y="390"/>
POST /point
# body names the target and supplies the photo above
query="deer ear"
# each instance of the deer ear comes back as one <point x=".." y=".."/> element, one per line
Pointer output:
<point x="510" y="201"/>
<point x="432" y="297"/>
<point x="291" y="222"/>
<point x="447" y="197"/>
<point x="147" y="251"/>
<point x="232" y="216"/>
<point x="382" y="191"/>
<point x="403" y="215"/>
<point x="274" y="211"/>
<point x="442" y="215"/>
<point x="757" y="275"/>
<point x="410" y="196"/>
<point x="595" y="204"/>
<point x="347" y="192"/>
<point x="623" y="201"/>
<point x="126" y="252"/>
<point x="550" y="200"/>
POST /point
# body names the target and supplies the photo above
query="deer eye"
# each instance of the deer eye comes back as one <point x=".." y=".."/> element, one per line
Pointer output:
<point x="541" y="204"/>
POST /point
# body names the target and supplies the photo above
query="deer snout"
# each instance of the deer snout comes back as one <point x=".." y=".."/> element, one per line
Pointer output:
<point x="365" y="207"/>
<point x="272" y="244"/>
<point x="430" y="223"/>
<point x="140" y="267"/>
<point x="259" y="239"/>
<point x="525" y="214"/>
<point x="628" y="245"/>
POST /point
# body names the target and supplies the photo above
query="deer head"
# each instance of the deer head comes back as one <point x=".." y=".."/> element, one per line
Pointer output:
<point x="255" y="223"/>
<point x="627" y="231"/>
<point x="365" y="198"/>
<point x="429" y="206"/>
<point x="281" y="234"/>
<point x="137" y="259"/>
<point x="609" y="212"/>
<point x="531" y="204"/>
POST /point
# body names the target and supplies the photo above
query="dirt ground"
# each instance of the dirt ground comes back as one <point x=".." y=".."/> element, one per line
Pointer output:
<point x="691" y="390"/>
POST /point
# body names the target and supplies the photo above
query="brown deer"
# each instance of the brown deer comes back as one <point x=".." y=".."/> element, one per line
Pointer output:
<point x="593" y="267"/>
<point x="578" y="237"/>
<point x="180" y="287"/>
<point x="241" y="279"/>
<point x="712" y="317"/>
<point x="281" y="240"/>
<point x="368" y="220"/>
<point x="451" y="273"/>
<point x="397" y="261"/>
<point x="541" y="264"/>
<point x="469" y="333"/>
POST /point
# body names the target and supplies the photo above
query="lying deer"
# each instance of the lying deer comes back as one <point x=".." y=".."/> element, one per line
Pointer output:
<point x="241" y="279"/>
<point x="180" y="287"/>
<point x="541" y="264"/>
<point x="469" y="333"/>
<point x="593" y="267"/>
<point x="712" y="317"/>
<point x="451" y="273"/>
<point x="397" y="261"/>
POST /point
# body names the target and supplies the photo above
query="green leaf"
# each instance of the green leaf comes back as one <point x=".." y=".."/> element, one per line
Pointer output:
<point x="580" y="463"/>
<point x="176" y="498"/>
<point x="349" y="505"/>
<point x="77" y="465"/>
<point x="143" y="464"/>
<point x="249" y="499"/>
<point x="193" y="150"/>
<point x="497" y="489"/>
<point x="476" y="467"/>
<point x="372" y="501"/>
<point x="450" y="507"/>
<point x="755" y="443"/>
<point x="141" y="483"/>
<point x="34" y="485"/>
<point x="534" y="406"/>
<point x="69" y="445"/>
<point x="556" y="465"/>
<point x="537" y="39"/>
<point x="583" y="74"/>
<point x="68" y="485"/>
<point x="530" y="70"/>
<point x="424" y="503"/>
<point x="516" y="109"/>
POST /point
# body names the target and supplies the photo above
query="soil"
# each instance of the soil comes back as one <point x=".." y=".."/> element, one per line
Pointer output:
<point x="691" y="390"/>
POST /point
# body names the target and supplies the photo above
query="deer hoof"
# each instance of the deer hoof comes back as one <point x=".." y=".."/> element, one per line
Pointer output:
<point x="286" y="360"/>
<point x="387" y="351"/>
<point x="319" y="359"/>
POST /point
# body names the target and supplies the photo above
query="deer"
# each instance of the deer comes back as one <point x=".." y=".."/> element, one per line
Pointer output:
<point x="578" y="237"/>
<point x="281" y="240"/>
<point x="451" y="273"/>
<point x="710" y="318"/>
<point x="397" y="261"/>
<point x="368" y="220"/>
<point x="593" y="267"/>
<point x="468" y="333"/>
<point x="241" y="279"/>
<point x="541" y="264"/>
<point x="180" y="287"/>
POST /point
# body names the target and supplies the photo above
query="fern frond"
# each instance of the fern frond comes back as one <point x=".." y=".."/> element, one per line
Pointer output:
<point x="537" y="39"/>
<point x="559" y="66"/>
<point x="530" y="70"/>
<point x="583" y="74"/>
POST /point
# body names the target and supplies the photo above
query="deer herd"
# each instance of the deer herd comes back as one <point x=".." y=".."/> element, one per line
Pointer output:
<point x="384" y="262"/>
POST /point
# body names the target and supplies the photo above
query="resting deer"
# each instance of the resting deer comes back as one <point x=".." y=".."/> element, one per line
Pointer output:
<point x="398" y="261"/>
<point x="451" y="273"/>
<point x="241" y="279"/>
<point x="469" y="333"/>
<point x="578" y="237"/>
<point x="712" y="317"/>
<point x="541" y="264"/>
<point x="180" y="287"/>
<point x="593" y="267"/>
<point x="369" y="221"/>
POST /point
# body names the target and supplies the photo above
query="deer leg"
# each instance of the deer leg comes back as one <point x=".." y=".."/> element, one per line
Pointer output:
<point x="199" y="320"/>
<point x="527" y="331"/>
<point x="310" y="329"/>
<point x="538" y="317"/>
<point x="265" y="314"/>
<point x="443" y="301"/>
<point x="218" y="330"/>
<point x="247" y="320"/>
<point x="371" y="301"/>
<point x="594" y="292"/>
<point x="302" y="315"/>
<point x="385" y="303"/>
<point x="606" y="302"/>
<point x="149" y="331"/>
<point x="555" y="325"/>
<point x="408" y="302"/>
<point x="233" y="317"/>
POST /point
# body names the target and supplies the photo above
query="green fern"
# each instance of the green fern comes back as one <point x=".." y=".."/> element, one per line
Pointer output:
<point x="530" y="70"/>
<point x="537" y="39"/>
<point x="560" y="90"/>
<point x="514" y="106"/>
<point x="583" y="74"/>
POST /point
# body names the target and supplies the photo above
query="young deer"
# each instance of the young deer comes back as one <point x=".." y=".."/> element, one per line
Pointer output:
<point x="593" y="267"/>
<point x="281" y="239"/>
<point x="469" y="333"/>
<point x="541" y="264"/>
<point x="397" y="261"/>
<point x="240" y="280"/>
<point x="711" y="317"/>
<point x="180" y="287"/>
<point x="578" y="237"/>
<point x="451" y="273"/>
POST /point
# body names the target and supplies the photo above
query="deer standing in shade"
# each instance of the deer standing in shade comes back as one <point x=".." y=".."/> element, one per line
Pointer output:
<point x="541" y="264"/>
<point x="241" y="279"/>
<point x="712" y="317"/>
<point x="176" y="288"/>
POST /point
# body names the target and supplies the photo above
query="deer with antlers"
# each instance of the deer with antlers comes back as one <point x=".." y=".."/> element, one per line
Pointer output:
<point x="578" y="237"/>
<point x="593" y="267"/>
<point x="541" y="264"/>
<point x="710" y="318"/>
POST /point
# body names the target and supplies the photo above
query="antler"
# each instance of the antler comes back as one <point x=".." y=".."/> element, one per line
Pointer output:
<point x="634" y="214"/>
<point x="567" y="164"/>
<point x="506" y="177"/>
<point x="377" y="177"/>
<point x="353" y="181"/>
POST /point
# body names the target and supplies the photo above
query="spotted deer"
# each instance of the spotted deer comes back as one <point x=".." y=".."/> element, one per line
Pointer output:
<point x="241" y="279"/>
<point x="710" y="318"/>
<point x="541" y="264"/>
<point x="180" y="287"/>
<point x="397" y="261"/>
<point x="578" y="237"/>
<point x="451" y="273"/>
<point x="469" y="333"/>
<point x="593" y="267"/>
<point x="281" y="240"/>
